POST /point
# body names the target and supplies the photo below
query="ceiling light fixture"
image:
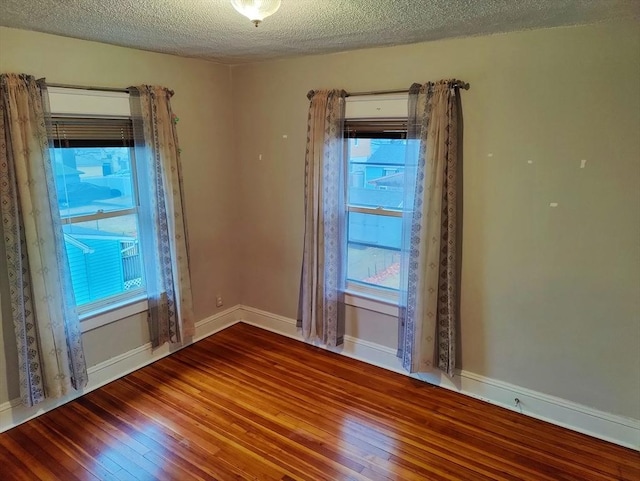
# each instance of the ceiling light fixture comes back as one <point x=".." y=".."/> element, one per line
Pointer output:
<point x="256" y="10"/>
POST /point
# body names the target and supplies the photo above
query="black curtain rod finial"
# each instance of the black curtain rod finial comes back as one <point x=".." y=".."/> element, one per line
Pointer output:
<point x="460" y="84"/>
<point x="311" y="93"/>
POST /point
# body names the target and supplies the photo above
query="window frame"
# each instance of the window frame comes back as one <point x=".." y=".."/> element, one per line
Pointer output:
<point x="373" y="110"/>
<point x="91" y="104"/>
<point x="382" y="296"/>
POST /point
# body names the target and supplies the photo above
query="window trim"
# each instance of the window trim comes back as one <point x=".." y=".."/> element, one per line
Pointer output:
<point x="113" y="313"/>
<point x="106" y="303"/>
<point x="374" y="210"/>
<point x="377" y="106"/>
<point x="360" y="296"/>
<point x="99" y="215"/>
<point x="69" y="102"/>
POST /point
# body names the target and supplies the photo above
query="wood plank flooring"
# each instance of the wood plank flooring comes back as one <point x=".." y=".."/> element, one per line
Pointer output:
<point x="249" y="404"/>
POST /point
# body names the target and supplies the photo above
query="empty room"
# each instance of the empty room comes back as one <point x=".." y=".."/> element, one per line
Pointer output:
<point x="299" y="240"/>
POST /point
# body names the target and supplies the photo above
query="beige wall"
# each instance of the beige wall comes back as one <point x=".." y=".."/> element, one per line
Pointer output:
<point x="202" y="102"/>
<point x="550" y="296"/>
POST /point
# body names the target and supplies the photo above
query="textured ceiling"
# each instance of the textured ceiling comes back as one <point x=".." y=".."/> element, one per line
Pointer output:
<point x="212" y="29"/>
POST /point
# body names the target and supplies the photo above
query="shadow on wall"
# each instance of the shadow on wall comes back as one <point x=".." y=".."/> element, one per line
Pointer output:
<point x="460" y="231"/>
<point x="470" y="328"/>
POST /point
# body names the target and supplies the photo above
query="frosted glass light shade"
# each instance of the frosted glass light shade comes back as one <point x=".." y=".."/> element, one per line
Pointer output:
<point x="256" y="10"/>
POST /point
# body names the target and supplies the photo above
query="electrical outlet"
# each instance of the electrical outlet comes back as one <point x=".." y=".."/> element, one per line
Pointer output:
<point x="219" y="302"/>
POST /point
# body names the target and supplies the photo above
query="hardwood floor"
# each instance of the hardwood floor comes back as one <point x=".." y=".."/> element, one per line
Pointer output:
<point x="249" y="404"/>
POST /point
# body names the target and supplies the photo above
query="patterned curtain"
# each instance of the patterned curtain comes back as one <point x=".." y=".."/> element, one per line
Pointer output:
<point x="429" y="300"/>
<point x="50" y="355"/>
<point x="163" y="230"/>
<point x="321" y="310"/>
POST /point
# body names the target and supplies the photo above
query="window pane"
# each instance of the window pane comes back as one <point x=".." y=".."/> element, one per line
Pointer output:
<point x="375" y="230"/>
<point x="91" y="179"/>
<point x="104" y="257"/>
<point x="373" y="255"/>
<point x="374" y="265"/>
<point x="375" y="172"/>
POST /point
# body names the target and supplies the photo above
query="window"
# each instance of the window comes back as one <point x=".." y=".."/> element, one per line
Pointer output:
<point x="94" y="171"/>
<point x="375" y="158"/>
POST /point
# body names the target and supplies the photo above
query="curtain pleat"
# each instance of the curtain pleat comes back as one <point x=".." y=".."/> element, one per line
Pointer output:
<point x="321" y="306"/>
<point x="163" y="231"/>
<point x="50" y="354"/>
<point x="429" y="294"/>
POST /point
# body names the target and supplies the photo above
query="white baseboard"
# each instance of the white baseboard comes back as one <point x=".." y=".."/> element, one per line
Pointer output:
<point x="13" y="413"/>
<point x="616" y="429"/>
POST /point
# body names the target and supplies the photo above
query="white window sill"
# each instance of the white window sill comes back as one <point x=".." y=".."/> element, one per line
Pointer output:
<point x="112" y="313"/>
<point x="387" y="304"/>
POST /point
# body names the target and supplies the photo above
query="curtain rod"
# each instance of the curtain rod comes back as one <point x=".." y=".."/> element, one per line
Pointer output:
<point x="101" y="89"/>
<point x="85" y="87"/>
<point x="454" y="84"/>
